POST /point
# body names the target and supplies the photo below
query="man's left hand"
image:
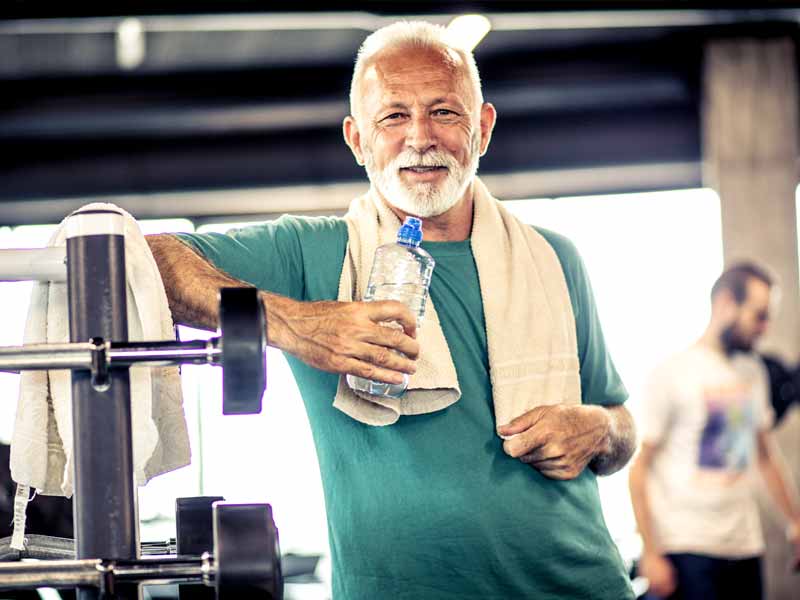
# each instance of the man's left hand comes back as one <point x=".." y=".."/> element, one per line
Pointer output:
<point x="793" y="535"/>
<point x="558" y="440"/>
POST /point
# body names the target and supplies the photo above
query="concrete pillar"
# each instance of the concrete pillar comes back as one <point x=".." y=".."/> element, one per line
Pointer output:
<point x="751" y="151"/>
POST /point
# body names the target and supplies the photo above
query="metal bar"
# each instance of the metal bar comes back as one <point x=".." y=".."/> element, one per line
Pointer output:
<point x="106" y="523"/>
<point x="93" y="573"/>
<point x="37" y="357"/>
<point x="198" y="352"/>
<point x="78" y="356"/>
<point x="50" y="573"/>
<point x="167" y="570"/>
<point x="38" y="264"/>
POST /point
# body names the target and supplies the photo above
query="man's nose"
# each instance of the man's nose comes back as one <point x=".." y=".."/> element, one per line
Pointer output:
<point x="419" y="135"/>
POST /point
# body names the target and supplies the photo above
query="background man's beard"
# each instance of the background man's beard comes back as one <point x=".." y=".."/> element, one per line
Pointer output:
<point x="733" y="342"/>
<point x="423" y="199"/>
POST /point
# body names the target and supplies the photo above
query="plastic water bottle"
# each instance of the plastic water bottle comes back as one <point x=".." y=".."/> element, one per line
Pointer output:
<point x="400" y="271"/>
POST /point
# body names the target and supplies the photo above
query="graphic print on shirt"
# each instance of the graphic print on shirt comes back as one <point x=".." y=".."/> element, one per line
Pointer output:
<point x="727" y="442"/>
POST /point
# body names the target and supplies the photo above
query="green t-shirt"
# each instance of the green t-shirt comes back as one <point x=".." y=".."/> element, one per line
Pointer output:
<point x="431" y="507"/>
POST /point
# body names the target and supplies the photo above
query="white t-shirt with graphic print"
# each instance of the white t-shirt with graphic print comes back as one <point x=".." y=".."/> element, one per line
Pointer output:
<point x="703" y="411"/>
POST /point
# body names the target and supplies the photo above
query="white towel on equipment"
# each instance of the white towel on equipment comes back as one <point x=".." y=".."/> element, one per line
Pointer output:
<point x="41" y="446"/>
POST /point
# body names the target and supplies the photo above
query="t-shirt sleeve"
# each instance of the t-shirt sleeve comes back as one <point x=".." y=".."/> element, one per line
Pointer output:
<point x="271" y="256"/>
<point x="761" y="389"/>
<point x="600" y="381"/>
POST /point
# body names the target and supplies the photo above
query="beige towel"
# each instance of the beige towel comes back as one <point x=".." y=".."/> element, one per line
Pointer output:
<point x="530" y="328"/>
<point x="41" y="446"/>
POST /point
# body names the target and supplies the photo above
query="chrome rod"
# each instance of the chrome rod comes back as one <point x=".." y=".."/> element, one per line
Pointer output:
<point x="79" y="356"/>
<point x="94" y="573"/>
<point x="50" y="573"/>
<point x="38" y="264"/>
<point x="153" y="570"/>
<point x="46" y="356"/>
<point x="165" y="353"/>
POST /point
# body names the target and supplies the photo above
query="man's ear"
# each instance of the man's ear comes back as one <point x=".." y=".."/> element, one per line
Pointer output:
<point x="726" y="306"/>
<point x="488" y="119"/>
<point x="352" y="137"/>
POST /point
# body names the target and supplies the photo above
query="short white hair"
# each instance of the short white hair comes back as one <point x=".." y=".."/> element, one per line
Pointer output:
<point x="412" y="34"/>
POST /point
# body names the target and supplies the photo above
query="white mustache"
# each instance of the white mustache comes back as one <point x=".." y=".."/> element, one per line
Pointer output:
<point x="434" y="158"/>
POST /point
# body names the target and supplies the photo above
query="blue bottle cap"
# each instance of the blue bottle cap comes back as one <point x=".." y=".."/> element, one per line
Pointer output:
<point x="410" y="233"/>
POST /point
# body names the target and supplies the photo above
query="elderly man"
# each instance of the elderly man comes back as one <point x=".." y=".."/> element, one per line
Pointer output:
<point x="480" y="483"/>
<point x="706" y="423"/>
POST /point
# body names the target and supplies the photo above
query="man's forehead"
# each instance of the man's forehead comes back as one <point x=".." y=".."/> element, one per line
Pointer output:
<point x="758" y="292"/>
<point x="395" y="69"/>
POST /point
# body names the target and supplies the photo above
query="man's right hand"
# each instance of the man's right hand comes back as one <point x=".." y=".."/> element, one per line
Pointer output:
<point x="659" y="572"/>
<point x="345" y="337"/>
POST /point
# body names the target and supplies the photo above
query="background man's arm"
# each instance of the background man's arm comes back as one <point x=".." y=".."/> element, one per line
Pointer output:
<point x="778" y="483"/>
<point x="561" y="440"/>
<point x="340" y="337"/>
<point x="653" y="564"/>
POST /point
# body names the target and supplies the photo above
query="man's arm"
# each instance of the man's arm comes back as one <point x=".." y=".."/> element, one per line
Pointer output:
<point x="340" y="337"/>
<point x="561" y="440"/>
<point x="778" y="483"/>
<point x="653" y="565"/>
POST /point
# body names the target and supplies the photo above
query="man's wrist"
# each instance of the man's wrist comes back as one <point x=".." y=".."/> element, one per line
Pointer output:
<point x="272" y="314"/>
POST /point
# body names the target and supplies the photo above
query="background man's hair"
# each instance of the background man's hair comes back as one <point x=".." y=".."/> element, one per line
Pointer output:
<point x="411" y="34"/>
<point x="735" y="278"/>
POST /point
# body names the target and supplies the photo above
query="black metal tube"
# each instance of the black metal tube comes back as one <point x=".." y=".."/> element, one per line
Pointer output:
<point x="106" y="524"/>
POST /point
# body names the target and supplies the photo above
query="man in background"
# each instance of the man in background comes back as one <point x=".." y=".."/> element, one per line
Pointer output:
<point x="706" y="422"/>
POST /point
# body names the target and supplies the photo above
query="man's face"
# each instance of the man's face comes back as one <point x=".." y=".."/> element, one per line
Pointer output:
<point x="752" y="317"/>
<point x="420" y="137"/>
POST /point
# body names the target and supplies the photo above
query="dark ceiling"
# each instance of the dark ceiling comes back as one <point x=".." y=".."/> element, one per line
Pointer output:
<point x="249" y="98"/>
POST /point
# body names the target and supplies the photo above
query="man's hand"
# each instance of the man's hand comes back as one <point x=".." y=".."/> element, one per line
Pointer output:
<point x="345" y="337"/>
<point x="558" y="440"/>
<point x="793" y="534"/>
<point x="659" y="572"/>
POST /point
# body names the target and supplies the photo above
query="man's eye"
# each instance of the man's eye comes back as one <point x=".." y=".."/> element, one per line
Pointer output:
<point x="444" y="112"/>
<point x="393" y="117"/>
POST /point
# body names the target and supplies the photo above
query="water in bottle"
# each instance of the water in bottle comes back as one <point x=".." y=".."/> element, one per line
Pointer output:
<point x="400" y="271"/>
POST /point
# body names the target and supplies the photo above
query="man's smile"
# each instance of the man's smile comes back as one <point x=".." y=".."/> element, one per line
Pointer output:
<point x="424" y="173"/>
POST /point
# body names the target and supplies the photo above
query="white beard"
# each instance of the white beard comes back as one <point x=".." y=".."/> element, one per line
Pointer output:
<point x="424" y="199"/>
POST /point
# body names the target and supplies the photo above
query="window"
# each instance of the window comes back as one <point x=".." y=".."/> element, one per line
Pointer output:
<point x="652" y="259"/>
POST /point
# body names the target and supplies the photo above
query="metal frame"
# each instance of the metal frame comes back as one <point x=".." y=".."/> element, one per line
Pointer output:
<point x="105" y="503"/>
<point x="105" y="507"/>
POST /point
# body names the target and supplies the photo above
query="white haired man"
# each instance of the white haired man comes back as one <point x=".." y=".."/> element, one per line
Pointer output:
<point x="491" y="492"/>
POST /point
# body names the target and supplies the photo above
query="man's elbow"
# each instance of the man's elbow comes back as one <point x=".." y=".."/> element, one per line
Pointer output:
<point x="621" y="443"/>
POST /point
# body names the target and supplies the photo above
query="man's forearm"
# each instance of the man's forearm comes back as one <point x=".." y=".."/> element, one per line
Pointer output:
<point x="339" y="337"/>
<point x="641" y="506"/>
<point x="191" y="282"/>
<point x="620" y="444"/>
<point x="777" y="482"/>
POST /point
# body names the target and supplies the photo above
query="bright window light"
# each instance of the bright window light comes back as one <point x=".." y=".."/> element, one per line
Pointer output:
<point x="466" y="31"/>
<point x="652" y="259"/>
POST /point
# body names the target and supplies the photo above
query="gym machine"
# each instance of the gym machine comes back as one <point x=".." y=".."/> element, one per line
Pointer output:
<point x="241" y="557"/>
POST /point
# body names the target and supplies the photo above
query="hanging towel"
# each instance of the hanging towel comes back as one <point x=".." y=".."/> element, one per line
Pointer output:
<point x="530" y="328"/>
<point x="41" y="446"/>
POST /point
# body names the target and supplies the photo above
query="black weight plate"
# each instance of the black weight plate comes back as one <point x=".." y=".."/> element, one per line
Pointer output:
<point x="246" y="552"/>
<point x="244" y="366"/>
